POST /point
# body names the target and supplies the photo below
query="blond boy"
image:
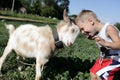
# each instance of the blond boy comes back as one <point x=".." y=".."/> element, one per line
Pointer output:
<point x="108" y="40"/>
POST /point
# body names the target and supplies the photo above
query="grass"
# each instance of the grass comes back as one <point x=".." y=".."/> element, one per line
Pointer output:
<point x="68" y="63"/>
<point x="27" y="16"/>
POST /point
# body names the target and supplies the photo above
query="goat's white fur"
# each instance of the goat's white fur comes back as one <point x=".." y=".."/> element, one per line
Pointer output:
<point x="37" y="42"/>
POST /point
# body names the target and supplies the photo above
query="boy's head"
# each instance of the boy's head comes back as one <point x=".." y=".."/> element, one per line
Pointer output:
<point x="87" y="21"/>
<point x="85" y="15"/>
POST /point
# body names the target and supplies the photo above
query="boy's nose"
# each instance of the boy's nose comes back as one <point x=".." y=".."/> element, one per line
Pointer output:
<point x="83" y="32"/>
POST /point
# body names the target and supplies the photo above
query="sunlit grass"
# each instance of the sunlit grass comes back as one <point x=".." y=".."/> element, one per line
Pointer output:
<point x="68" y="63"/>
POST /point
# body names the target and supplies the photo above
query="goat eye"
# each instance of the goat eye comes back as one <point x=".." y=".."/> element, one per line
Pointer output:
<point x="73" y="30"/>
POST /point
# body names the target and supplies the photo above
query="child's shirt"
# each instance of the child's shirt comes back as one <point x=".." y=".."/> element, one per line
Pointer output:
<point x="103" y="35"/>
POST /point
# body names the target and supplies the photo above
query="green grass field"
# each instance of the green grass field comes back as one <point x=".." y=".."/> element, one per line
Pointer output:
<point x="69" y="63"/>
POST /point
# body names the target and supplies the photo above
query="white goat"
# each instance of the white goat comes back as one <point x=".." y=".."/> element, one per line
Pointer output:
<point x="38" y="42"/>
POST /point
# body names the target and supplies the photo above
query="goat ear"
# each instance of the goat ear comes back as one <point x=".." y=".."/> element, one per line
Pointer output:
<point x="65" y="16"/>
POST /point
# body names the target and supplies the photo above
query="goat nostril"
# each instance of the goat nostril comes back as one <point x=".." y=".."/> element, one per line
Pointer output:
<point x="71" y="43"/>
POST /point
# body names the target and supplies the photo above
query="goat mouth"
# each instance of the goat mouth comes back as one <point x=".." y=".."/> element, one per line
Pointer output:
<point x="69" y="44"/>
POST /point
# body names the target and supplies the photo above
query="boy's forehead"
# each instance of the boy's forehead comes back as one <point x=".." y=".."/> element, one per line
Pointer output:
<point x="81" y="24"/>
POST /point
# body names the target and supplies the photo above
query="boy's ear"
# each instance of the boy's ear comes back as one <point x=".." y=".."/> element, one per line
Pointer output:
<point x="91" y="21"/>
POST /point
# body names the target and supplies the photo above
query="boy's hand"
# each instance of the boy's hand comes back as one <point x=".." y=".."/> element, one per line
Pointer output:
<point x="99" y="40"/>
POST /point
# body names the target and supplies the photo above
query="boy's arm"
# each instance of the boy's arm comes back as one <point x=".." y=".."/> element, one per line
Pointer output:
<point x="112" y="33"/>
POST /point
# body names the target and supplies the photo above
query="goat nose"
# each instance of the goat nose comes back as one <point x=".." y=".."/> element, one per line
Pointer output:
<point x="69" y="43"/>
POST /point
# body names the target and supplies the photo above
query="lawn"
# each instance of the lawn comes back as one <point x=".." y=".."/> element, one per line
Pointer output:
<point x="69" y="63"/>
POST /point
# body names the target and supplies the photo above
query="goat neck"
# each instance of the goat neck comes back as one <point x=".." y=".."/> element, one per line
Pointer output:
<point x="58" y="43"/>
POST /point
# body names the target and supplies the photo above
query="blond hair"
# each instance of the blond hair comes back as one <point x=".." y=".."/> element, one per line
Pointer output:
<point x="85" y="14"/>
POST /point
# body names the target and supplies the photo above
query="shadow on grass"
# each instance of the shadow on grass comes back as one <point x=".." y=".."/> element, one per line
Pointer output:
<point x="117" y="76"/>
<point x="56" y="69"/>
<point x="59" y="65"/>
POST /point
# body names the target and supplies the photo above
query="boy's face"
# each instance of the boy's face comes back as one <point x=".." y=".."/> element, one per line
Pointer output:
<point x="87" y="28"/>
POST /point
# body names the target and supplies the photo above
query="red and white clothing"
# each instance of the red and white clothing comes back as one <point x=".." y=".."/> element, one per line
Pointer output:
<point x="106" y="66"/>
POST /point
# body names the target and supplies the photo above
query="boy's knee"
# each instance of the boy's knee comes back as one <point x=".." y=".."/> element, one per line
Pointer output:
<point x="94" y="76"/>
